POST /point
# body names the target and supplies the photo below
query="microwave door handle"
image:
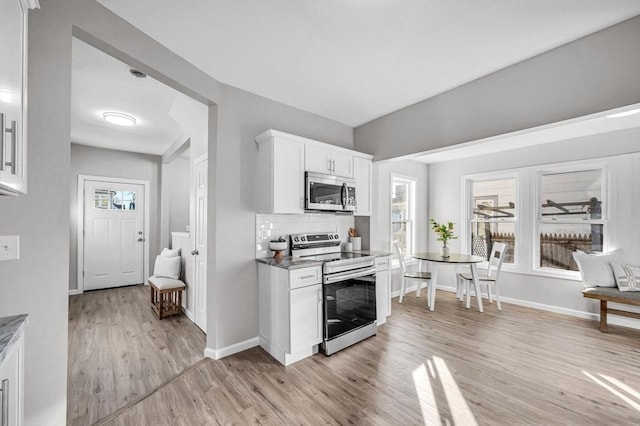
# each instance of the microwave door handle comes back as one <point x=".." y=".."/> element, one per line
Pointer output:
<point x="344" y="194"/>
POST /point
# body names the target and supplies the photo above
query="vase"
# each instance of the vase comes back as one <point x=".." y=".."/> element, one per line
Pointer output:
<point x="444" y="251"/>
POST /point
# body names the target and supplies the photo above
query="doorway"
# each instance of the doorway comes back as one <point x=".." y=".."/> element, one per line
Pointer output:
<point x="113" y="250"/>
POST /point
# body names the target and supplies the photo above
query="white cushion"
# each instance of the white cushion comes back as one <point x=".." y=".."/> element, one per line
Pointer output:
<point x="163" y="283"/>
<point x="167" y="267"/>
<point x="595" y="269"/>
<point x="170" y="253"/>
<point x="627" y="276"/>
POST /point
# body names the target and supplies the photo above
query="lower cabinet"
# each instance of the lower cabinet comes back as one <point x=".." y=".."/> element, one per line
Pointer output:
<point x="290" y="311"/>
<point x="11" y="385"/>
<point x="383" y="288"/>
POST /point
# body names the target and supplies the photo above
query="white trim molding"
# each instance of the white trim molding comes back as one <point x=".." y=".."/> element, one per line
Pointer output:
<point x="231" y="349"/>
<point x="80" y="224"/>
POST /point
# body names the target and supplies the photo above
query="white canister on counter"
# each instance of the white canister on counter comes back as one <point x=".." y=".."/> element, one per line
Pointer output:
<point x="347" y="247"/>
<point x="357" y="243"/>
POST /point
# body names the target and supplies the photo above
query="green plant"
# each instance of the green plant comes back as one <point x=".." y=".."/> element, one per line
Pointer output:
<point x="279" y="240"/>
<point x="444" y="231"/>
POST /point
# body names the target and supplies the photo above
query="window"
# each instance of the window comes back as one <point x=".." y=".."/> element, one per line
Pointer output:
<point x="492" y="204"/>
<point x="403" y="213"/>
<point x="106" y="199"/>
<point x="571" y="216"/>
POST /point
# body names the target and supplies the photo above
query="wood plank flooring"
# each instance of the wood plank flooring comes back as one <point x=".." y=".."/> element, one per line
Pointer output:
<point x="120" y="351"/>
<point x="452" y="366"/>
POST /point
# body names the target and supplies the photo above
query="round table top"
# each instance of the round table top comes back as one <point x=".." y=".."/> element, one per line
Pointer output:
<point x="453" y="257"/>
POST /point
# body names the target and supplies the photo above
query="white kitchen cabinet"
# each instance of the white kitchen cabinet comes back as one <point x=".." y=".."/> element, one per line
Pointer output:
<point x="321" y="158"/>
<point x="362" y="176"/>
<point x="290" y="311"/>
<point x="11" y="384"/>
<point x="281" y="174"/>
<point x="13" y="95"/>
<point x="383" y="288"/>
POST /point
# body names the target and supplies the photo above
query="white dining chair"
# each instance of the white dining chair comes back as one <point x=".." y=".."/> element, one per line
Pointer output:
<point x="407" y="276"/>
<point x="490" y="278"/>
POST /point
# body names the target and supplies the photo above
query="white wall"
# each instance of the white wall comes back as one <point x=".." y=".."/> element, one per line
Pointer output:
<point x="445" y="203"/>
<point x="380" y="221"/>
<point x="86" y="160"/>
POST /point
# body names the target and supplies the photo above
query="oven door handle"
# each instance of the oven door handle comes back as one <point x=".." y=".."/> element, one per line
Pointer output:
<point x="330" y="279"/>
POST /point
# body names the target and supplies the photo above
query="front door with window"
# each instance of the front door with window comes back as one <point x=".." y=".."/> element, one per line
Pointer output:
<point x="114" y="234"/>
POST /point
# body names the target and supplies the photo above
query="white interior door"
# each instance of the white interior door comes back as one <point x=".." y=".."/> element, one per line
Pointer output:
<point x="200" y="242"/>
<point x="113" y="234"/>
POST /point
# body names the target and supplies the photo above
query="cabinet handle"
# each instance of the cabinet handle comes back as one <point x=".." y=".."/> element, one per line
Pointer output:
<point x="2" y="141"/>
<point x="329" y="164"/>
<point x="14" y="146"/>
<point x="304" y="277"/>
<point x="333" y="165"/>
<point x="4" y="419"/>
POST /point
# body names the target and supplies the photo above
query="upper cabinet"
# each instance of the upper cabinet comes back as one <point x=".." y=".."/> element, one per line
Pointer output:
<point x="325" y="159"/>
<point x="284" y="158"/>
<point x="13" y="95"/>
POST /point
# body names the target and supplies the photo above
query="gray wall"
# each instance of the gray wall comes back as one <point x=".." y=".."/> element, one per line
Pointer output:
<point x="592" y="74"/>
<point x="445" y="201"/>
<point x="38" y="283"/>
<point x="86" y="160"/>
<point x="176" y="185"/>
<point x="241" y="116"/>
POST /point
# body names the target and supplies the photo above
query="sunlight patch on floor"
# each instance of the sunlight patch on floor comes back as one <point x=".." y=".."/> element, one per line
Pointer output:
<point x="458" y="407"/>
<point x="620" y="385"/>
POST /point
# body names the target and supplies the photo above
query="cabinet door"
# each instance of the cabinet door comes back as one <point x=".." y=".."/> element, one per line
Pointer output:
<point x="306" y="317"/>
<point x="383" y="296"/>
<point x="362" y="175"/>
<point x="11" y="382"/>
<point x="12" y="92"/>
<point x="342" y="163"/>
<point x="288" y="177"/>
<point x="317" y="159"/>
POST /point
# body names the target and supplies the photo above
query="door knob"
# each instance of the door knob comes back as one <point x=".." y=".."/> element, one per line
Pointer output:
<point x="194" y="252"/>
<point x="140" y="239"/>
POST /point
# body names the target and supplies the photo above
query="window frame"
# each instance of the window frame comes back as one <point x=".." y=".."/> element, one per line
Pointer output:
<point x="568" y="167"/>
<point x="411" y="211"/>
<point x="467" y="219"/>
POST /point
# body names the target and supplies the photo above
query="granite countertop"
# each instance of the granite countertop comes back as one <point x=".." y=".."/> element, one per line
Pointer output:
<point x="290" y="262"/>
<point x="10" y="330"/>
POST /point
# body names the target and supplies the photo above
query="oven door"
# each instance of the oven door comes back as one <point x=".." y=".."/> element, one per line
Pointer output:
<point x="349" y="304"/>
<point x="329" y="193"/>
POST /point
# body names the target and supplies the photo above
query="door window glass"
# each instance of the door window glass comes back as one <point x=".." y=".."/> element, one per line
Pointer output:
<point x="109" y="199"/>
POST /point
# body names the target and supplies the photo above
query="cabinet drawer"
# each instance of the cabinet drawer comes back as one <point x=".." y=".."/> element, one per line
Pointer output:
<point x="305" y="277"/>
<point x="383" y="263"/>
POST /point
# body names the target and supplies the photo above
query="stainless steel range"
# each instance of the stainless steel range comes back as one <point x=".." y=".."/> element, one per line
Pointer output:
<point x="349" y="289"/>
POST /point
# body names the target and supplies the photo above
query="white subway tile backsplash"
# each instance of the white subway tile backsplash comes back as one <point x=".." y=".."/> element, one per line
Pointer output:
<point x="270" y="226"/>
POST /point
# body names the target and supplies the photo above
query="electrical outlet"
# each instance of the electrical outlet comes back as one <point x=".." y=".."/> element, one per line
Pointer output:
<point x="9" y="247"/>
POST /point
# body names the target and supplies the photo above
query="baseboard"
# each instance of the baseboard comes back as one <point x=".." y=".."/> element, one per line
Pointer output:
<point x="612" y="319"/>
<point x="74" y="292"/>
<point x="188" y="313"/>
<point x="232" y="349"/>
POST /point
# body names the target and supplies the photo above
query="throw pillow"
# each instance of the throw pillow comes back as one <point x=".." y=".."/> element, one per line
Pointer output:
<point x="167" y="267"/>
<point x="170" y="253"/>
<point x="595" y="269"/>
<point x="627" y="277"/>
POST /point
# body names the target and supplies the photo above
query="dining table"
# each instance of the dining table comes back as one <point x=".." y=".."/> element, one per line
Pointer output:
<point x="454" y="259"/>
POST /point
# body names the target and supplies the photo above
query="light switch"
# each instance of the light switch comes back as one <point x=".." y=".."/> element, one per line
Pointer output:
<point x="9" y="247"/>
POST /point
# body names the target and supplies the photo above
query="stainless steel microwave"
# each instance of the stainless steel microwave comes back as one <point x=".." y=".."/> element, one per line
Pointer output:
<point x="329" y="193"/>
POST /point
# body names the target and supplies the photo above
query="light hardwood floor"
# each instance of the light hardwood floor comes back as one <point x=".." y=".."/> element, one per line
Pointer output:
<point x="452" y="366"/>
<point x="120" y="351"/>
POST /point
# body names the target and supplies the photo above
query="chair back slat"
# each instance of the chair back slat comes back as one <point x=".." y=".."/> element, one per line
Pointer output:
<point x="498" y="252"/>
<point x="396" y="249"/>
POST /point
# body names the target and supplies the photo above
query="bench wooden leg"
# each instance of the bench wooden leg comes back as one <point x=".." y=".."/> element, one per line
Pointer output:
<point x="603" y="316"/>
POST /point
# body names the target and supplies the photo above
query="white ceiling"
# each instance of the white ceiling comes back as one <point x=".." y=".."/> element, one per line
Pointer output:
<point x="354" y="61"/>
<point x="101" y="83"/>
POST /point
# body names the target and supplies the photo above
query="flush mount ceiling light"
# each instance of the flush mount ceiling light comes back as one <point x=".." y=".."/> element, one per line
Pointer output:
<point x="624" y="114"/>
<point x="119" y="119"/>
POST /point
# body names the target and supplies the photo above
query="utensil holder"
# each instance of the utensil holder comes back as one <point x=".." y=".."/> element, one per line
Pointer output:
<point x="357" y="243"/>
